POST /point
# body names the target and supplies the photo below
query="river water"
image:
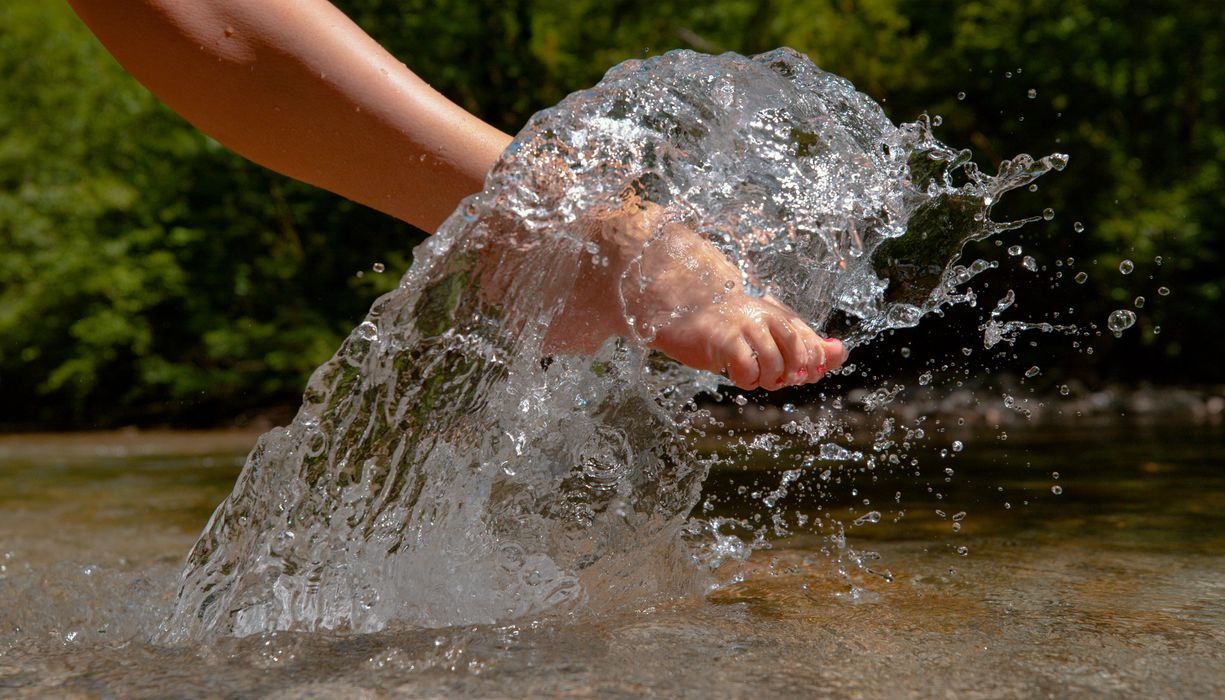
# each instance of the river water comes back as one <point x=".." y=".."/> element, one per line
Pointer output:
<point x="1111" y="588"/>
<point x="466" y="505"/>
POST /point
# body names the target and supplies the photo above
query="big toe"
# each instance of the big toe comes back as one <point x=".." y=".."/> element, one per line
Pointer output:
<point x="835" y="353"/>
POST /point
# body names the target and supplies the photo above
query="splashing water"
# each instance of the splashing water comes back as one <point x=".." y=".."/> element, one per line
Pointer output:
<point x="446" y="469"/>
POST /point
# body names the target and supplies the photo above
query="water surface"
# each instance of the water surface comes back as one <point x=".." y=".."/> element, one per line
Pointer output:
<point x="1111" y="588"/>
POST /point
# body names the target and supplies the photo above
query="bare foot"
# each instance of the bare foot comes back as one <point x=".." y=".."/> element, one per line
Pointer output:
<point x="668" y="287"/>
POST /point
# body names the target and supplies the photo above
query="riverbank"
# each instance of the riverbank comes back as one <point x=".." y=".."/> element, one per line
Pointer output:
<point x="1004" y="402"/>
<point x="127" y="442"/>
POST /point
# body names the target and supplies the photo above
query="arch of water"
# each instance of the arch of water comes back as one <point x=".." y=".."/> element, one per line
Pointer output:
<point x="444" y="470"/>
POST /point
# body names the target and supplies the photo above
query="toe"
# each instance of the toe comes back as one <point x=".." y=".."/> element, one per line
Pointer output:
<point x="789" y="340"/>
<point x="815" y="366"/>
<point x="835" y="353"/>
<point x="741" y="364"/>
<point x="771" y="367"/>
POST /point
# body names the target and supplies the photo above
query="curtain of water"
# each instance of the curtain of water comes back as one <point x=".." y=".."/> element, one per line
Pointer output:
<point x="449" y="467"/>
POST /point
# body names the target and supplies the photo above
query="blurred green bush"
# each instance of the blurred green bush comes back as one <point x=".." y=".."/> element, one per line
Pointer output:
<point x="148" y="274"/>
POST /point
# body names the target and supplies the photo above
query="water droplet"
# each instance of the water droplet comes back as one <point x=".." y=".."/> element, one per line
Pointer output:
<point x="1121" y="320"/>
<point x="1139" y="302"/>
<point x="1048" y="213"/>
<point x="1029" y="263"/>
<point x="1055" y="476"/>
<point x="1056" y="489"/>
<point x="1163" y="291"/>
<point x="904" y="352"/>
<point x="1156" y="330"/>
<point x="1008" y="74"/>
<point x="925" y="378"/>
<point x="1078" y="227"/>
<point x="963" y="551"/>
<point x="1033" y="187"/>
<point x="937" y="120"/>
<point x="1032" y="93"/>
<point x="378" y="267"/>
<point x="1157" y="259"/>
<point x="367" y="331"/>
<point x="1032" y="372"/>
<point x="1126" y="266"/>
<point x="873" y="517"/>
<point x="1081" y="277"/>
<point x="739" y="400"/>
<point x="1014" y="250"/>
<point x="961" y="96"/>
<point x="1064" y="389"/>
<point x="958" y="446"/>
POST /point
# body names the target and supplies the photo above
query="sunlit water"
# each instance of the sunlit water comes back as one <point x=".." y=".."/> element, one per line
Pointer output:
<point x="457" y="510"/>
<point x="446" y="469"/>
<point x="1111" y="588"/>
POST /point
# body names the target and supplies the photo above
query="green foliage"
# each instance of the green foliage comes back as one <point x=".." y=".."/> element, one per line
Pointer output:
<point x="148" y="273"/>
<point x="1132" y="92"/>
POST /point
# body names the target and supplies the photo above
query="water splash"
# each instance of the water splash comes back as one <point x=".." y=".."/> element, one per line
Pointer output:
<point x="445" y="469"/>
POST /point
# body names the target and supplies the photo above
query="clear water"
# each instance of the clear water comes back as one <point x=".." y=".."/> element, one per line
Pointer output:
<point x="446" y="469"/>
<point x="494" y="518"/>
<point x="1112" y="588"/>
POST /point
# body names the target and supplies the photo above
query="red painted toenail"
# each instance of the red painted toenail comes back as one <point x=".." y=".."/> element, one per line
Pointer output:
<point x="820" y="369"/>
<point x="778" y="381"/>
<point x="801" y="372"/>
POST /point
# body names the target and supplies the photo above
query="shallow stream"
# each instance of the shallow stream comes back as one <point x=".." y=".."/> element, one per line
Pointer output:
<point x="1112" y="588"/>
<point x="469" y="503"/>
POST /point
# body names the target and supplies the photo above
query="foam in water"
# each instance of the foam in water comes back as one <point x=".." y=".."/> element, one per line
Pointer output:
<point x="444" y="469"/>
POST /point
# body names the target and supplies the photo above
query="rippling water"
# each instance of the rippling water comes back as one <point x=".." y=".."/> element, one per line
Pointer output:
<point x="1111" y="588"/>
